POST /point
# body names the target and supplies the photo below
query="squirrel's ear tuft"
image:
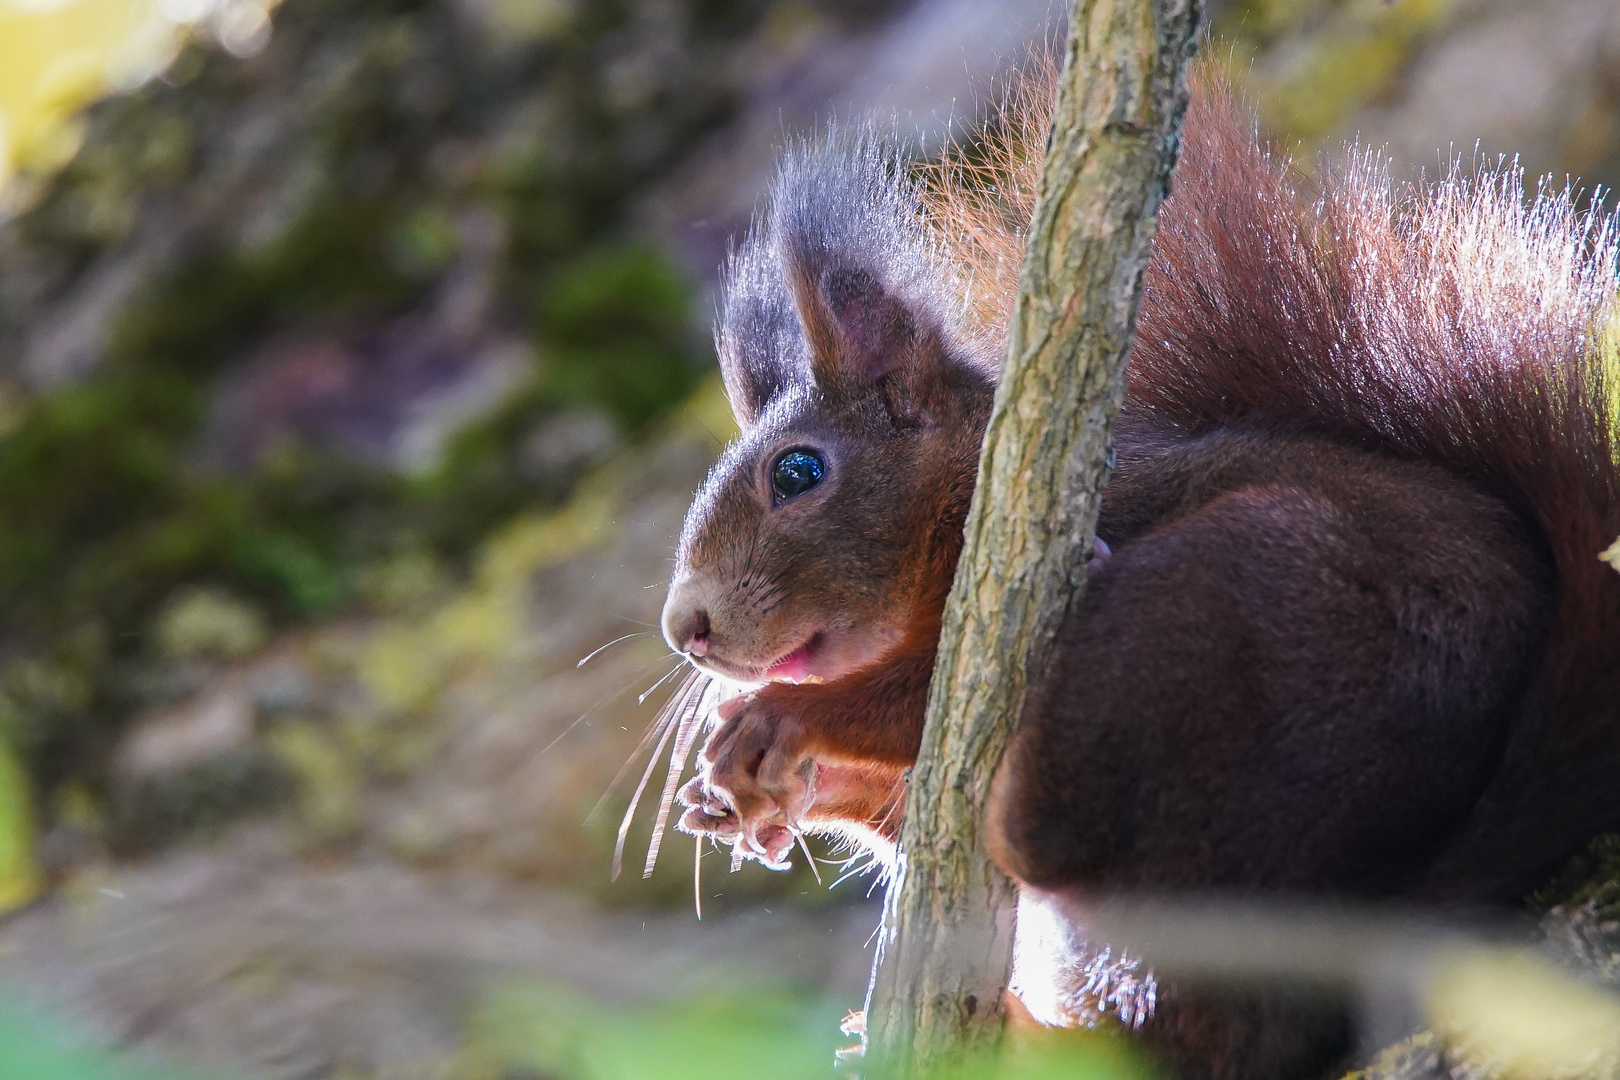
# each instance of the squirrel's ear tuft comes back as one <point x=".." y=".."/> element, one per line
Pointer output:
<point x="758" y="336"/>
<point x="871" y="285"/>
<point x="840" y="283"/>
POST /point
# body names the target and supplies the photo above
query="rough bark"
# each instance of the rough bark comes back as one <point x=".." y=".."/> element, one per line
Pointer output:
<point x="947" y="930"/>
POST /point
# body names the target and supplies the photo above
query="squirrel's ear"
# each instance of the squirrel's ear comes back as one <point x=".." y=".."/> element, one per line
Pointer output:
<point x="758" y="336"/>
<point x="858" y="331"/>
<point x="838" y="285"/>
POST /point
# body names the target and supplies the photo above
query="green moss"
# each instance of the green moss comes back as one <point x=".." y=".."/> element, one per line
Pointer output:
<point x="402" y="582"/>
<point x="208" y="622"/>
<point x="403" y="668"/>
<point x="341" y="255"/>
<point x="1592" y="877"/>
<point x="408" y="662"/>
<point x="1340" y="77"/>
<point x="1335" y="56"/>
<point x="327" y="777"/>
<point x="614" y="333"/>
<point x="612" y="326"/>
<point x="1267" y="19"/>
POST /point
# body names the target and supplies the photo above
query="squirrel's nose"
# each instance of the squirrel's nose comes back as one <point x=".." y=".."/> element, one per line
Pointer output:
<point x="686" y="625"/>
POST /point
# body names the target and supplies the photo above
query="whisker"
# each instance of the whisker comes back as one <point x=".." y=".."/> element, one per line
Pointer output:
<point x="718" y="441"/>
<point x="852" y="872"/>
<point x="686" y="707"/>
<point x="654" y="627"/>
<point x="697" y="875"/>
<point x="648" y="522"/>
<point x="811" y="859"/>
<point x="645" y="694"/>
<point x="609" y="645"/>
<point x="593" y="707"/>
<point x="667" y="728"/>
<point x="897" y="802"/>
<point x="653" y="730"/>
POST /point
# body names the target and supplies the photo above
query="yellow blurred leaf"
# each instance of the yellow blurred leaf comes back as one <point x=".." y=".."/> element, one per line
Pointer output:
<point x="56" y="58"/>
<point x="1518" y="1017"/>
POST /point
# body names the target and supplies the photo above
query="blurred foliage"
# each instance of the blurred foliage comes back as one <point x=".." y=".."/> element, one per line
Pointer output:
<point x="19" y="873"/>
<point x="725" y="1034"/>
<point x="33" y="1046"/>
<point x="1592" y="877"/>
<point x="539" y="1030"/>
<point x="1342" y="54"/>
<point x="718" y="1035"/>
<point x="55" y="57"/>
<point x="125" y="541"/>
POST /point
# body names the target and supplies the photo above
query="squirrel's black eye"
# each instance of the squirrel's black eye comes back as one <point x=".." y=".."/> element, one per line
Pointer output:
<point x="796" y="472"/>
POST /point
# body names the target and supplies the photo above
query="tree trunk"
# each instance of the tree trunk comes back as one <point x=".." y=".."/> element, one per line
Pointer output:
<point x="946" y="939"/>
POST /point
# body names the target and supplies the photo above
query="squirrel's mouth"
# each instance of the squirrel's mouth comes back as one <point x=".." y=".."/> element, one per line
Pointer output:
<point x="805" y="664"/>
<point x="796" y="666"/>
<point x="828" y="654"/>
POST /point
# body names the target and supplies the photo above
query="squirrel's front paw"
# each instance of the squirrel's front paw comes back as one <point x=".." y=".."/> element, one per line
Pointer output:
<point x="754" y="782"/>
<point x="706" y="814"/>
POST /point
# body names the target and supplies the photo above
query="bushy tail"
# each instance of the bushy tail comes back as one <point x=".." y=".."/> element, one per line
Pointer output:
<point x="1460" y="323"/>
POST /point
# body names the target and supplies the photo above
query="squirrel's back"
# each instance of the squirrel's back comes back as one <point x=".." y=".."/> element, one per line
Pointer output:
<point x="1458" y="323"/>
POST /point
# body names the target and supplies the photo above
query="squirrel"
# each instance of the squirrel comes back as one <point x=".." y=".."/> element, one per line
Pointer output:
<point x="1346" y="633"/>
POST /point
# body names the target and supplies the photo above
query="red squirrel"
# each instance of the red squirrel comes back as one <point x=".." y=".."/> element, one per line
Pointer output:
<point x="1347" y="634"/>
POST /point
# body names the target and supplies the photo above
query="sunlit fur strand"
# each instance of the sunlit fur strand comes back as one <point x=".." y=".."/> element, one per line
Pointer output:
<point x="1456" y="322"/>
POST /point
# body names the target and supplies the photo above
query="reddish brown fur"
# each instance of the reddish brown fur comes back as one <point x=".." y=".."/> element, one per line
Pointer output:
<point x="1454" y="329"/>
<point x="1261" y="286"/>
<point x="1354" y="637"/>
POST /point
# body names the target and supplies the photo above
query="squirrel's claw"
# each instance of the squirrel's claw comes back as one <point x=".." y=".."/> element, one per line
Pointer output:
<point x="768" y="844"/>
<point x="754" y="783"/>
<point x="706" y="814"/>
<point x="761" y="837"/>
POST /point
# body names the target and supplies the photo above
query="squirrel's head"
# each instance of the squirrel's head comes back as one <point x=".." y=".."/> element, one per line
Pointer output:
<point x="829" y="530"/>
